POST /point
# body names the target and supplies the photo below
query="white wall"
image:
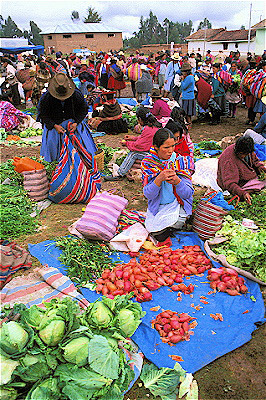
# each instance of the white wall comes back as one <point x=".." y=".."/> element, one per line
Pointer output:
<point x="215" y="47"/>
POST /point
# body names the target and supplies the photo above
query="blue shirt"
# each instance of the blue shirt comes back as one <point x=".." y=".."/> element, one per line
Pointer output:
<point x="188" y="87"/>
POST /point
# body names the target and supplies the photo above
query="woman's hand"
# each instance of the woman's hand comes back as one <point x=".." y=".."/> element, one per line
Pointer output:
<point x="59" y="129"/>
<point x="73" y="126"/>
<point x="247" y="198"/>
<point x="167" y="175"/>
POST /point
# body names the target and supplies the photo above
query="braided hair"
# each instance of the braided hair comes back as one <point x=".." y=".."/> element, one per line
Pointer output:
<point x="147" y="117"/>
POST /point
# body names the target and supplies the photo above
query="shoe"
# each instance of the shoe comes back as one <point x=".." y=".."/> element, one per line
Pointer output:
<point x="113" y="178"/>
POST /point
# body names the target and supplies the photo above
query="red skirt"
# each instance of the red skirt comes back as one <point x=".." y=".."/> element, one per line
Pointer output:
<point x="115" y="84"/>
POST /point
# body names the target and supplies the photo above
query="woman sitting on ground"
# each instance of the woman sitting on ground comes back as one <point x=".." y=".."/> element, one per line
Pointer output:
<point x="160" y="108"/>
<point x="181" y="147"/>
<point x="238" y="169"/>
<point x="167" y="186"/>
<point x="109" y="119"/>
<point x="139" y="146"/>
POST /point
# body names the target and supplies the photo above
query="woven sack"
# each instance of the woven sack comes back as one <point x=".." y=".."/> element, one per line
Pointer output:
<point x="36" y="184"/>
<point x="100" y="218"/>
<point x="208" y="217"/>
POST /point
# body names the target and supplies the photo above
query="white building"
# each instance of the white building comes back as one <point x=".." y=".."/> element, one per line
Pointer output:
<point x="221" y="39"/>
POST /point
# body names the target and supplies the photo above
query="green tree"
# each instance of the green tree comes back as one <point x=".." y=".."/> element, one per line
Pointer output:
<point x="75" y="16"/>
<point x="9" y="28"/>
<point x="242" y="27"/>
<point x="204" y="24"/>
<point x="36" y="38"/>
<point x="92" y="16"/>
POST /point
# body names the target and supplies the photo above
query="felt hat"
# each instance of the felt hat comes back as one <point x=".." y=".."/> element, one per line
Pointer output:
<point x="61" y="86"/>
<point x="185" y="67"/>
<point x="175" y="57"/>
<point x="156" y="93"/>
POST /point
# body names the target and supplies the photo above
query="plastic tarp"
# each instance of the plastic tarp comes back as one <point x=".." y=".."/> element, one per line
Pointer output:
<point x="212" y="339"/>
<point x="18" y="50"/>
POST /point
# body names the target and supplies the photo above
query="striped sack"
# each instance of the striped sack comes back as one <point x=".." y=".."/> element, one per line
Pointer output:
<point x="100" y="218"/>
<point x="76" y="178"/>
<point x="207" y="218"/>
<point x="36" y="184"/>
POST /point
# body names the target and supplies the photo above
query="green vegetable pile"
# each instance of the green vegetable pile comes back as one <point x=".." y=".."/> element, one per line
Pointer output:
<point x="85" y="261"/>
<point x="256" y="211"/>
<point x="236" y="80"/>
<point x="209" y="145"/>
<point x="132" y="120"/>
<point x="28" y="132"/>
<point x="7" y="170"/>
<point x="244" y="248"/>
<point x="15" y="209"/>
<point x="60" y="353"/>
<point x="108" y="154"/>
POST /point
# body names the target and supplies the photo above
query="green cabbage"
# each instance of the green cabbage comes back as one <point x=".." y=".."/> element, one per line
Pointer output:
<point x="7" y="367"/>
<point x="8" y="394"/>
<point x="127" y="322"/>
<point x="101" y="315"/>
<point x="13" y="337"/>
<point x="32" y="368"/>
<point x="46" y="390"/>
<point x="53" y="333"/>
<point x="77" y="350"/>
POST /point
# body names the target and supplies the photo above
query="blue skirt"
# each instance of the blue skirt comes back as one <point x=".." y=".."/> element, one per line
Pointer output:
<point x="52" y="141"/>
<point x="259" y="107"/>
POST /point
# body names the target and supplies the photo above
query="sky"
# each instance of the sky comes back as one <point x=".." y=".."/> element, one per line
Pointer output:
<point x="125" y="15"/>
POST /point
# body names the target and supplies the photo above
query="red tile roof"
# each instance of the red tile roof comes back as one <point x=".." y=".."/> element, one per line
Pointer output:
<point x="261" y="24"/>
<point x="200" y="34"/>
<point x="232" y="36"/>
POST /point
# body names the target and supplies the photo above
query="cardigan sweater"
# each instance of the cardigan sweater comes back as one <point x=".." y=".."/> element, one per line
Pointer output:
<point x="161" y="109"/>
<point x="233" y="172"/>
<point x="154" y="193"/>
<point x="142" y="142"/>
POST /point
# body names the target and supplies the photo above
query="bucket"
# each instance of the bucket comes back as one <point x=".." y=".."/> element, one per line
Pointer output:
<point x="26" y="164"/>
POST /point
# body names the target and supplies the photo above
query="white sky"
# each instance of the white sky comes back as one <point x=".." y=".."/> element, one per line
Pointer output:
<point x="125" y="15"/>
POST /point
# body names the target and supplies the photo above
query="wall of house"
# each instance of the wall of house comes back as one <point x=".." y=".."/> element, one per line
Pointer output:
<point x="99" y="42"/>
<point x="260" y="42"/>
<point x="215" y="47"/>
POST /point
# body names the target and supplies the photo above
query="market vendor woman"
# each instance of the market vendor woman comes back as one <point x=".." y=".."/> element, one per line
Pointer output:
<point x="238" y="169"/>
<point x="167" y="186"/>
<point x="62" y="103"/>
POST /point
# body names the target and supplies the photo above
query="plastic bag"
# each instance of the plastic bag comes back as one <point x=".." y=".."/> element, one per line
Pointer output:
<point x="131" y="239"/>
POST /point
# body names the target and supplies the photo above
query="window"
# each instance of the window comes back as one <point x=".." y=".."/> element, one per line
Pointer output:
<point x="67" y="36"/>
<point x="49" y="37"/>
<point x="198" y="48"/>
<point x="89" y="35"/>
<point x="236" y="45"/>
<point x="111" y="35"/>
<point x="225" y="46"/>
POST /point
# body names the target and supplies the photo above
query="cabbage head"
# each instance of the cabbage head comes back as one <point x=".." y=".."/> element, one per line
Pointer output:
<point x="46" y="390"/>
<point x="13" y="338"/>
<point x="7" y="367"/>
<point x="53" y="333"/>
<point x="32" y="368"/>
<point x="8" y="394"/>
<point x="33" y="316"/>
<point x="127" y="322"/>
<point x="100" y="315"/>
<point x="77" y="351"/>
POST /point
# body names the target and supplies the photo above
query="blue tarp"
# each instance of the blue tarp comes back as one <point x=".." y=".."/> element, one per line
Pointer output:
<point x="17" y="50"/>
<point x="211" y="338"/>
<point x="210" y="152"/>
<point x="260" y="150"/>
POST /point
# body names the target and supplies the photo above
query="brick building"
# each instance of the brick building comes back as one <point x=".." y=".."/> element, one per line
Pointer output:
<point x="93" y="36"/>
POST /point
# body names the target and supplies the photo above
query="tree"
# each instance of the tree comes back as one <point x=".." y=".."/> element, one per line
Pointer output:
<point x="36" y="38"/>
<point x="92" y="16"/>
<point x="75" y="16"/>
<point x="242" y="27"/>
<point x="205" y="24"/>
<point x="9" y="28"/>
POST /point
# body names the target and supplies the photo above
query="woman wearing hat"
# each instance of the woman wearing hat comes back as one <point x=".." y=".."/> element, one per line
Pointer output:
<point x="188" y="91"/>
<point x="172" y="69"/>
<point x="160" y="109"/>
<point x="62" y="103"/>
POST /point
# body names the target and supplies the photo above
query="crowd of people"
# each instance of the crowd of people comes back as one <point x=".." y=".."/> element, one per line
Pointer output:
<point x="170" y="91"/>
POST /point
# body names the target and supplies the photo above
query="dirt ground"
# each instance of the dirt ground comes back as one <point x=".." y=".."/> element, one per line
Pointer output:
<point x="240" y="374"/>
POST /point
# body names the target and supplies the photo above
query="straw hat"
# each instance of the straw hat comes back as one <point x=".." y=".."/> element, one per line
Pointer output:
<point x="175" y="57"/>
<point x="156" y="93"/>
<point x="61" y="86"/>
